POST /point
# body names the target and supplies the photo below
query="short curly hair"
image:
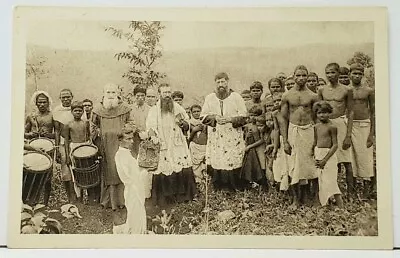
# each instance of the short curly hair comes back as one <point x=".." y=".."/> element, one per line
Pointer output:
<point x="256" y="85"/>
<point x="322" y="106"/>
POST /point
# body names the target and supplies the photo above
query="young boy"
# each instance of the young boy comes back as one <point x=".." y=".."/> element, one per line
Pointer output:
<point x="289" y="83"/>
<point x="321" y="82"/>
<point x="76" y="133"/>
<point x="133" y="179"/>
<point x="344" y="76"/>
<point x="246" y="95"/>
<point x="269" y="145"/>
<point x="324" y="147"/>
<point x="312" y="82"/>
<point x="280" y="164"/>
<point x="340" y="97"/>
<point x="197" y="143"/>
<point x="363" y="132"/>
<point x="178" y="96"/>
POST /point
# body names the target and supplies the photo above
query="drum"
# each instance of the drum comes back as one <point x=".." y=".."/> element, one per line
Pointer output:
<point x="87" y="166"/>
<point x="43" y="143"/>
<point x="37" y="170"/>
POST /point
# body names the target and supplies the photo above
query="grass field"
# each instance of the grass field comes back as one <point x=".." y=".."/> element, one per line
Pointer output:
<point x="252" y="212"/>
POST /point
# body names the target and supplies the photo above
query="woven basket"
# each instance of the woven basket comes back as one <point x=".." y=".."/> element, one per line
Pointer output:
<point x="149" y="154"/>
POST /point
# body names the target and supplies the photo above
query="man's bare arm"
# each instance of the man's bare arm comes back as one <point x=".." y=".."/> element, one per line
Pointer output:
<point x="57" y="132"/>
<point x="320" y="95"/>
<point x="350" y="112"/>
<point x="371" y="102"/>
<point x="28" y="128"/>
<point x="67" y="139"/>
<point x="315" y="140"/>
<point x="285" y="116"/>
<point x="314" y="115"/>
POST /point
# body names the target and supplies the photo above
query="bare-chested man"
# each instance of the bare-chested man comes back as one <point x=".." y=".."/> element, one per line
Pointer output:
<point x="62" y="116"/>
<point x="298" y="134"/>
<point x="40" y="123"/>
<point x="363" y="130"/>
<point x="340" y="97"/>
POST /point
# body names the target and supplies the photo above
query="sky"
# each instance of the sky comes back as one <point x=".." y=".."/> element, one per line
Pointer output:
<point x="82" y="35"/>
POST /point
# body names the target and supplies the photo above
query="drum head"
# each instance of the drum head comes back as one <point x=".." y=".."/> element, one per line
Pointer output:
<point x="84" y="151"/>
<point x="42" y="143"/>
<point x="36" y="161"/>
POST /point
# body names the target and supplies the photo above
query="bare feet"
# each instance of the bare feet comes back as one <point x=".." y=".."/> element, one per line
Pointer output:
<point x="339" y="201"/>
<point x="294" y="206"/>
<point x="316" y="203"/>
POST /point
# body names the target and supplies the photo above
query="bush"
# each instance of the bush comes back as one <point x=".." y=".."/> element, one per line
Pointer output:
<point x="36" y="220"/>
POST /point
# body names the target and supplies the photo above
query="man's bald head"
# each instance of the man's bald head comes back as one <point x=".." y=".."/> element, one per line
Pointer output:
<point x="110" y="88"/>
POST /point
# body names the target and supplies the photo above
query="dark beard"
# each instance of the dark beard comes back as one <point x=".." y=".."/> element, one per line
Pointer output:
<point x="167" y="105"/>
<point x="222" y="93"/>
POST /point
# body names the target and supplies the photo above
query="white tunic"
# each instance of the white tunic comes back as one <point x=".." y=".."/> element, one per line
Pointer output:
<point x="133" y="179"/>
<point x="225" y="145"/>
<point x="174" y="153"/>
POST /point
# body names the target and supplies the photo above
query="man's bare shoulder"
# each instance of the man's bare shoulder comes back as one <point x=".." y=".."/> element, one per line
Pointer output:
<point x="314" y="96"/>
<point x="344" y="88"/>
<point x="368" y="89"/>
<point x="287" y="94"/>
<point x="347" y="88"/>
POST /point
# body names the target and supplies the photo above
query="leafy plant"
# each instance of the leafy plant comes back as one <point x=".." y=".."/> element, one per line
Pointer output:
<point x="35" y="67"/>
<point x="144" y="51"/>
<point x="36" y="220"/>
<point x="164" y="221"/>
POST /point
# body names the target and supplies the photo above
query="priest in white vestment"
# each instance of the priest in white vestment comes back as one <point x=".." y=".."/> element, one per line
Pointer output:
<point x="173" y="180"/>
<point x="224" y="112"/>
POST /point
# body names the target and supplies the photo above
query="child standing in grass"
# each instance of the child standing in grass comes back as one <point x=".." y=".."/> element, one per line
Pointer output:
<point x="280" y="164"/>
<point x="251" y="169"/>
<point x="76" y="133"/>
<point x="324" y="148"/>
<point x="268" y="133"/>
<point x="133" y="179"/>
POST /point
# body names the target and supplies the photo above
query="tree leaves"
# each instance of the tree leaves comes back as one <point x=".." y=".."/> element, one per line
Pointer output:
<point x="144" y="51"/>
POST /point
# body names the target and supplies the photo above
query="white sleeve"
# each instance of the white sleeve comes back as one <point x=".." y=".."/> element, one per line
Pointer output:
<point x="151" y="121"/>
<point x="241" y="105"/>
<point x="124" y="167"/>
<point x="206" y="109"/>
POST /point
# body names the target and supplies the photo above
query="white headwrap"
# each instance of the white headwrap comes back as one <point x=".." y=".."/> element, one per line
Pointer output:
<point x="34" y="107"/>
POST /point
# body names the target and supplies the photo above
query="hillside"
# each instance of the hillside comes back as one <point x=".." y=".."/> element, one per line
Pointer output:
<point x="192" y="71"/>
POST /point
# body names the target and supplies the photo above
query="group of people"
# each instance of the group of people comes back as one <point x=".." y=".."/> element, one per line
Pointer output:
<point x="296" y="138"/>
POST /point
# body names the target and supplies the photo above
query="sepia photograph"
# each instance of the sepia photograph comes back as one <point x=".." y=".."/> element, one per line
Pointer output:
<point x="186" y="123"/>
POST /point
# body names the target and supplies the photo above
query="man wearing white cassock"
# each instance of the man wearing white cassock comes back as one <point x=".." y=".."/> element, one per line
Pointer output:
<point x="166" y="123"/>
<point x="224" y="112"/>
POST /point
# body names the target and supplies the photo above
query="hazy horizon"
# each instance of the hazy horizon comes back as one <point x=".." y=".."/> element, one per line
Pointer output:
<point x="85" y="35"/>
